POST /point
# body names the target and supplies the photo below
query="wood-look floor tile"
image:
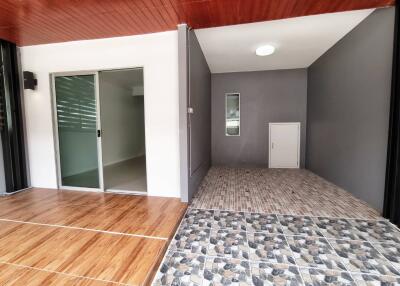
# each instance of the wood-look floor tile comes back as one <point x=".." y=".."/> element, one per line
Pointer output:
<point x="117" y="258"/>
<point x="12" y="275"/>
<point x="150" y="216"/>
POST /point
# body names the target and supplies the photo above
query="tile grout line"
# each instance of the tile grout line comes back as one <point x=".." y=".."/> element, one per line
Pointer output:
<point x="302" y="215"/>
<point x="166" y="251"/>
<point x="87" y="229"/>
<point x="390" y="262"/>
<point x="367" y="240"/>
<point x="250" y="261"/>
<point x="168" y="247"/>
<point x="312" y="218"/>
<point x="61" y="273"/>
<point x="291" y="251"/>
<point x="330" y="244"/>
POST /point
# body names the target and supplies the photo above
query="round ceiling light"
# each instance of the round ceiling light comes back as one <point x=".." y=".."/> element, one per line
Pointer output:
<point x="265" y="50"/>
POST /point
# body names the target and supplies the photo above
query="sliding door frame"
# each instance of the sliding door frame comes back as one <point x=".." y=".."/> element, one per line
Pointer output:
<point x="98" y="127"/>
<point x="117" y="191"/>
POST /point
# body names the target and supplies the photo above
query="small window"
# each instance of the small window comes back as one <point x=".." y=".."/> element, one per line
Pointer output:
<point x="232" y="116"/>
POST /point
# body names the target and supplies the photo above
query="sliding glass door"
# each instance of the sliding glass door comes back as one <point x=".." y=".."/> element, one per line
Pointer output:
<point x="78" y="130"/>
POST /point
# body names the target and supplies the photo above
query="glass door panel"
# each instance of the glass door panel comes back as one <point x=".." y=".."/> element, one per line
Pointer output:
<point x="76" y="109"/>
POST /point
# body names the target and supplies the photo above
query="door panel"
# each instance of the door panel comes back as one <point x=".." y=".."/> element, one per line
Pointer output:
<point x="13" y="169"/>
<point x="284" y="145"/>
<point x="76" y="108"/>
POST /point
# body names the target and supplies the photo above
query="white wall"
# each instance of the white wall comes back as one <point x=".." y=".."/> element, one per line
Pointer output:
<point x="157" y="53"/>
<point x="122" y="123"/>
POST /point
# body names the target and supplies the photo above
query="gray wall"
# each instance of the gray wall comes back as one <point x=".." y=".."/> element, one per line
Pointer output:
<point x="348" y="109"/>
<point x="200" y="121"/>
<point x="183" y="116"/>
<point x="266" y="96"/>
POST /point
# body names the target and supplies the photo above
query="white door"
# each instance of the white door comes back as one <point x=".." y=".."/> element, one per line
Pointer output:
<point x="284" y="145"/>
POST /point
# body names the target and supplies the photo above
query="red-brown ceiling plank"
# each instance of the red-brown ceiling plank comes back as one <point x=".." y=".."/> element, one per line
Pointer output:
<point x="126" y="10"/>
<point x="149" y="22"/>
<point x="197" y="13"/>
<point x="140" y="17"/>
<point x="28" y="22"/>
<point x="151" y="8"/>
<point x="32" y="19"/>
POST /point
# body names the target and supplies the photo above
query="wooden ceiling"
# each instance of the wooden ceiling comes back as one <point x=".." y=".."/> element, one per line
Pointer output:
<point x="30" y="22"/>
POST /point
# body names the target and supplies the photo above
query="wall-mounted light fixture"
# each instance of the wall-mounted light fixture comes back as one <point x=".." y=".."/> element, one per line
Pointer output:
<point x="30" y="82"/>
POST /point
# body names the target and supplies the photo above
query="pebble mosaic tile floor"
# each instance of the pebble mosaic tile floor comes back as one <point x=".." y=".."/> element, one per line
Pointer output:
<point x="279" y="227"/>
<point x="214" y="247"/>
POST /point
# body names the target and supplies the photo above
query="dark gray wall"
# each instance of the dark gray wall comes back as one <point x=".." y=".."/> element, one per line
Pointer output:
<point x="265" y="96"/>
<point x="348" y="109"/>
<point x="200" y="121"/>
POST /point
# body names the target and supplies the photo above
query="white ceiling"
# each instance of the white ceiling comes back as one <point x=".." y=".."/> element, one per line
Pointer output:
<point x="298" y="41"/>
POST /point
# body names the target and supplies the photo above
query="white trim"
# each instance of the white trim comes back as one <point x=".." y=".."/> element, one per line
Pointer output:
<point x="226" y="109"/>
<point x="145" y="137"/>
<point x="290" y="214"/>
<point x="87" y="229"/>
<point x="80" y="189"/>
<point x="16" y="192"/>
<point x="98" y="127"/>
<point x="126" y="192"/>
<point x="270" y="144"/>
<point x="61" y="273"/>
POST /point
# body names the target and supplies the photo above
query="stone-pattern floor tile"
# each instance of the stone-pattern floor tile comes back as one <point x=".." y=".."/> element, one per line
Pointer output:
<point x="339" y="228"/>
<point x="314" y="276"/>
<point x="314" y="252"/>
<point x="228" y="243"/>
<point x="391" y="251"/>
<point x="263" y="222"/>
<point x="377" y="230"/>
<point x="194" y="240"/>
<point x="376" y="280"/>
<point x="225" y="271"/>
<point x="298" y="225"/>
<point x="277" y="191"/>
<point x="360" y="256"/>
<point x="263" y="273"/>
<point x="229" y="220"/>
<point x="184" y="269"/>
<point x="198" y="218"/>
<point x="216" y="248"/>
<point x="270" y="248"/>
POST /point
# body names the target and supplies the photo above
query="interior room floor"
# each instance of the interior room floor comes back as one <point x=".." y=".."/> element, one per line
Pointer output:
<point x="279" y="227"/>
<point x="129" y="175"/>
<point x="50" y="237"/>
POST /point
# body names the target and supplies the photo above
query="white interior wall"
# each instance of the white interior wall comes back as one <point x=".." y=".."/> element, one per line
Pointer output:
<point x="122" y="123"/>
<point x="156" y="53"/>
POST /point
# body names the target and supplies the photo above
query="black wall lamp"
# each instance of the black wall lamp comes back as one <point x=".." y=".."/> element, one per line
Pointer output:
<point x="30" y="82"/>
